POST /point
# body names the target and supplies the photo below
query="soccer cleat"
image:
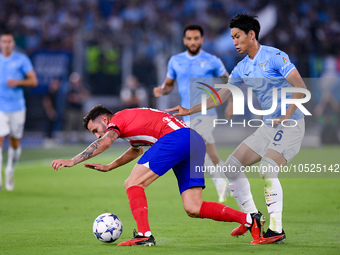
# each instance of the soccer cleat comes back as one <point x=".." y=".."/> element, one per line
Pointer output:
<point x="9" y="180"/>
<point x="139" y="240"/>
<point x="271" y="237"/>
<point x="256" y="228"/>
<point x="239" y="231"/>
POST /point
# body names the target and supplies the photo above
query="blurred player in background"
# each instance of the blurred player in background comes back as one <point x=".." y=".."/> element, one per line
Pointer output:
<point x="16" y="71"/>
<point x="196" y="63"/>
<point x="273" y="144"/>
<point x="133" y="94"/>
<point x="174" y="145"/>
<point x="75" y="100"/>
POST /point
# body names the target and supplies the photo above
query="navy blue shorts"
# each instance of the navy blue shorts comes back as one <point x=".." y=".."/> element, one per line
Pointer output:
<point x="181" y="150"/>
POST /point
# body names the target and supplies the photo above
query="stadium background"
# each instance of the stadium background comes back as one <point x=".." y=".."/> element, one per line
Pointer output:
<point x="105" y="41"/>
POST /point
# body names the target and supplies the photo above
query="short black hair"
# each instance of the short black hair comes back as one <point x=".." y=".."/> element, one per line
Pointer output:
<point x="6" y="32"/>
<point x="95" y="112"/>
<point x="193" y="27"/>
<point x="246" y="22"/>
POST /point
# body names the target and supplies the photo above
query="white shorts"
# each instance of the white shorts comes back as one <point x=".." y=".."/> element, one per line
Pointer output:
<point x="204" y="126"/>
<point x="12" y="123"/>
<point x="285" y="140"/>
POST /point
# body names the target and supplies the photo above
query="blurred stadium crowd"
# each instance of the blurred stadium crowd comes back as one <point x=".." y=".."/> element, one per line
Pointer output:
<point x="106" y="41"/>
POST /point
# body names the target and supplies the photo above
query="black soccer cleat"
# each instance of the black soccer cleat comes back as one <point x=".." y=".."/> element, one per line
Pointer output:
<point x="271" y="237"/>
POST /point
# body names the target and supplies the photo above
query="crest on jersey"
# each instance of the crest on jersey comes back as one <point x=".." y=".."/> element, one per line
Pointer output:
<point x="203" y="63"/>
<point x="264" y="65"/>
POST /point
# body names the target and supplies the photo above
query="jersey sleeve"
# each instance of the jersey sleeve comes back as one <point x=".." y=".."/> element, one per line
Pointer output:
<point x="219" y="68"/>
<point x="235" y="77"/>
<point x="171" y="73"/>
<point x="116" y="124"/>
<point x="281" y="63"/>
<point x="26" y="65"/>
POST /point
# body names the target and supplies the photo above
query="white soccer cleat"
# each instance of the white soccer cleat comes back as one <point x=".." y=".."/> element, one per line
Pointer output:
<point x="9" y="180"/>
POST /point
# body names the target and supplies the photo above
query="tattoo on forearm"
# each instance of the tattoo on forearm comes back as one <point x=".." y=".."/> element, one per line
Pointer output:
<point x="91" y="149"/>
<point x="87" y="153"/>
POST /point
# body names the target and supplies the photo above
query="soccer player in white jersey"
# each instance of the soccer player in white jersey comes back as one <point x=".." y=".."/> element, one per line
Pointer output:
<point x="196" y="63"/>
<point x="273" y="144"/>
<point x="16" y="71"/>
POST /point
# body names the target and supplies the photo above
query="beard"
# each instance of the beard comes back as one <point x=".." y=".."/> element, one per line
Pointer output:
<point x="194" y="52"/>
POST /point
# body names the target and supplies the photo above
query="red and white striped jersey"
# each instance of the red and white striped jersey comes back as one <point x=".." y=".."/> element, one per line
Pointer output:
<point x="143" y="126"/>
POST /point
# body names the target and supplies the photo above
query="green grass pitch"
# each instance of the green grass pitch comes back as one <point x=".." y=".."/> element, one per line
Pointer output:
<point x="52" y="212"/>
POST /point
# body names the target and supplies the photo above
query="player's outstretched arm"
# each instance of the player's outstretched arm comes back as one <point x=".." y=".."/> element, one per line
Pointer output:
<point x="125" y="158"/>
<point x="92" y="150"/>
<point x="165" y="88"/>
<point x="181" y="111"/>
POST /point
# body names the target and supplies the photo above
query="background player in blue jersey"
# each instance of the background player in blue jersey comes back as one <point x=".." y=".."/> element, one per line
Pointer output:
<point x="196" y="63"/>
<point x="273" y="144"/>
<point x="16" y="71"/>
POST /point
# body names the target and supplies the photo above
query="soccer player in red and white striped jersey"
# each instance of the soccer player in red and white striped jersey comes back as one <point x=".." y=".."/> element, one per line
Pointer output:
<point x="173" y="145"/>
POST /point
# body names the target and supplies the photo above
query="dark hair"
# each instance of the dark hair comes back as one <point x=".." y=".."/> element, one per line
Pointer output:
<point x="6" y="32"/>
<point x="246" y="22"/>
<point x="95" y="112"/>
<point x="193" y="27"/>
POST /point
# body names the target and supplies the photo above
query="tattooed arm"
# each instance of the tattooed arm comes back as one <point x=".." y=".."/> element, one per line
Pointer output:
<point x="92" y="150"/>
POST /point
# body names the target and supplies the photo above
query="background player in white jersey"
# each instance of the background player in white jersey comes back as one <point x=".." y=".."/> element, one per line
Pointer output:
<point x="196" y="63"/>
<point x="16" y="71"/>
<point x="273" y="144"/>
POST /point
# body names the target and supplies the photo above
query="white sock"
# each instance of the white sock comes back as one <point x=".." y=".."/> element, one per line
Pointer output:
<point x="13" y="159"/>
<point x="249" y="220"/>
<point x="239" y="185"/>
<point x="273" y="192"/>
<point x="276" y="222"/>
<point x="147" y="233"/>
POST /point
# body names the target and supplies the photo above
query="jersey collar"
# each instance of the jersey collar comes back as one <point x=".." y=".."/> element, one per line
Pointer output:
<point x="193" y="57"/>
<point x="256" y="55"/>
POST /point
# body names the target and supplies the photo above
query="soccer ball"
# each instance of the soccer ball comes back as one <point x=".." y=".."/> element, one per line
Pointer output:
<point x="107" y="227"/>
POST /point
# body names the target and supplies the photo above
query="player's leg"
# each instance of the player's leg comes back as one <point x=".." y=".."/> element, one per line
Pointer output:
<point x="140" y="178"/>
<point x="197" y="208"/>
<point x="285" y="144"/>
<point x="246" y="154"/>
<point x="270" y="167"/>
<point x="1" y="146"/>
<point x="17" y="122"/>
<point x="4" y="131"/>
<point x="166" y="153"/>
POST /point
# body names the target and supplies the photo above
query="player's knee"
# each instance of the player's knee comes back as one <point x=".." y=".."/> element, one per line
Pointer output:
<point x="127" y="184"/>
<point x="192" y="211"/>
